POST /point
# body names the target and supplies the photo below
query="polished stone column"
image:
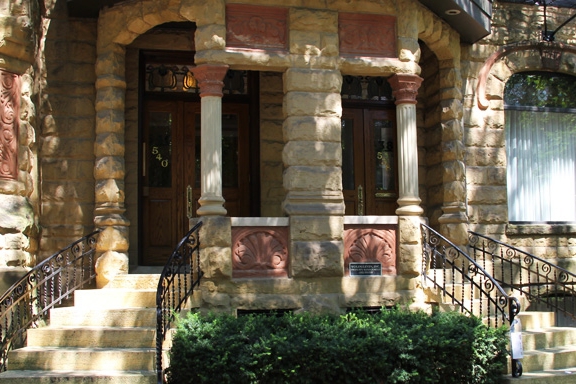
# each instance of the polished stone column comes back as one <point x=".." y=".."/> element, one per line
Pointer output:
<point x="405" y="89"/>
<point x="210" y="81"/>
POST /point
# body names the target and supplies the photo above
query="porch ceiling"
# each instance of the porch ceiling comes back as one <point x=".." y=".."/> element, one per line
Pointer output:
<point x="470" y="18"/>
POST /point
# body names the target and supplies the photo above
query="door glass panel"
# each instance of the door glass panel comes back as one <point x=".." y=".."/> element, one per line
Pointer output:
<point x="160" y="150"/>
<point x="229" y="150"/>
<point x="385" y="154"/>
<point x="347" y="142"/>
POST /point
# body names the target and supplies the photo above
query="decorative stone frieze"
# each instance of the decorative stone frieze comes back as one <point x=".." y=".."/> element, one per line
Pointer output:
<point x="252" y="26"/>
<point x="363" y="34"/>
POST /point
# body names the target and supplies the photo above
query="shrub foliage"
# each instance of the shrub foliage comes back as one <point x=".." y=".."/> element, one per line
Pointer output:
<point x="392" y="346"/>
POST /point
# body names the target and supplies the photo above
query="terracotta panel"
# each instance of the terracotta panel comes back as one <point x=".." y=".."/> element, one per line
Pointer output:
<point x="260" y="27"/>
<point x="9" y="120"/>
<point x="364" y="244"/>
<point x="367" y="35"/>
<point x="259" y="252"/>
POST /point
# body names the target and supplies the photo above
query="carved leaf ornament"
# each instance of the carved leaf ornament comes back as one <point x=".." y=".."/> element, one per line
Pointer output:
<point x="259" y="252"/>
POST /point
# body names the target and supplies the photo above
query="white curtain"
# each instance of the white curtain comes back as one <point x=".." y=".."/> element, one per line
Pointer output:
<point x="541" y="172"/>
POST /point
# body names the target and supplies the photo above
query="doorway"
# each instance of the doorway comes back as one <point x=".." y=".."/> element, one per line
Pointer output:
<point x="369" y="161"/>
<point x="170" y="179"/>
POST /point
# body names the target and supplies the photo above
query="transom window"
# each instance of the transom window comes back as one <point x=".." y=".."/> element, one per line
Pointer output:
<point x="540" y="111"/>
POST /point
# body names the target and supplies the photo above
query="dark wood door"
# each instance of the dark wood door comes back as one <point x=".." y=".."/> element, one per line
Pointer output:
<point x="369" y="161"/>
<point x="170" y="185"/>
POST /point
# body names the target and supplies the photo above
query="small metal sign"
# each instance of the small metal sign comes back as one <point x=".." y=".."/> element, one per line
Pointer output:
<point x="365" y="269"/>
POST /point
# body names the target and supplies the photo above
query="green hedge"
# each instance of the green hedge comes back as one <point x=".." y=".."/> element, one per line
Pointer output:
<point x="392" y="346"/>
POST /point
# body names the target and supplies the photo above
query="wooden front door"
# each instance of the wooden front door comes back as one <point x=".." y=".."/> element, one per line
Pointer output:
<point x="170" y="183"/>
<point x="369" y="161"/>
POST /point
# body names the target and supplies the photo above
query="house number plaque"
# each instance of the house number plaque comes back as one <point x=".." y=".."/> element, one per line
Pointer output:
<point x="365" y="269"/>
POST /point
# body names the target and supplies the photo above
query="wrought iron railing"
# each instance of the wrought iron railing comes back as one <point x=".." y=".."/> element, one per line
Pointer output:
<point x="464" y="283"/>
<point x="28" y="302"/>
<point x="180" y="276"/>
<point x="540" y="281"/>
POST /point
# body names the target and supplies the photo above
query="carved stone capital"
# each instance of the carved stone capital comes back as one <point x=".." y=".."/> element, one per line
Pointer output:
<point x="405" y="88"/>
<point x="210" y="78"/>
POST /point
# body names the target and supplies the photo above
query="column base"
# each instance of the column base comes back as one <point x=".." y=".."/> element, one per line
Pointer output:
<point x="409" y="206"/>
<point x="211" y="206"/>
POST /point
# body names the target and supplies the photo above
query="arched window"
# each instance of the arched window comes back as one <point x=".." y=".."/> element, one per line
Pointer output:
<point x="540" y="116"/>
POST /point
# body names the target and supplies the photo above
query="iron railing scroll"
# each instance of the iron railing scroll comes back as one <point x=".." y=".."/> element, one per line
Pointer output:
<point x="180" y="276"/>
<point x="456" y="276"/>
<point x="27" y="303"/>
<point x="540" y="281"/>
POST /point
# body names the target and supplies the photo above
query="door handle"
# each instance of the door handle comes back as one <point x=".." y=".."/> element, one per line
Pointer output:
<point x="189" y="202"/>
<point x="360" y="201"/>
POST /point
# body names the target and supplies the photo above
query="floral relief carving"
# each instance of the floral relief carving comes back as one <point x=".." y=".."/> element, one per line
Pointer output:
<point x="250" y="26"/>
<point x="367" y="35"/>
<point x="363" y="245"/>
<point x="259" y="252"/>
<point x="9" y="124"/>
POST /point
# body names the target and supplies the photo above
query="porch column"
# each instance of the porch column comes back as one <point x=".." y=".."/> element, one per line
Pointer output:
<point x="405" y="89"/>
<point x="210" y="81"/>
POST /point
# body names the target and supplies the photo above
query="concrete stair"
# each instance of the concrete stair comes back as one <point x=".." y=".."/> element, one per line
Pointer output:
<point x="549" y="351"/>
<point x="108" y="336"/>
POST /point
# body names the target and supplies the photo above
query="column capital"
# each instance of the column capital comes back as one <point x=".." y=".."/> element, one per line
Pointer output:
<point x="405" y="87"/>
<point x="210" y="78"/>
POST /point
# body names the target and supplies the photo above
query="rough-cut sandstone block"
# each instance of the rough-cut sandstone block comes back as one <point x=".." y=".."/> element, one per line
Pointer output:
<point x="317" y="80"/>
<point x="317" y="259"/>
<point x="312" y="153"/>
<point x="316" y="228"/>
<point x="108" y="265"/>
<point x="312" y="128"/>
<point x="308" y="178"/>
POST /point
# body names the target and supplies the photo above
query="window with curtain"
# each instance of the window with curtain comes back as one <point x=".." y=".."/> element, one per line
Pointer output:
<point x="540" y="113"/>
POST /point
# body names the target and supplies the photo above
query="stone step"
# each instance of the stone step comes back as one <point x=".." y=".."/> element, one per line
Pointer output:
<point x="559" y="357"/>
<point x="536" y="320"/>
<point x="533" y="339"/>
<point x="94" y="316"/>
<point x="78" y="377"/>
<point x="115" y="298"/>
<point x="83" y="359"/>
<point x="553" y="376"/>
<point x="101" y="337"/>
<point x="134" y="281"/>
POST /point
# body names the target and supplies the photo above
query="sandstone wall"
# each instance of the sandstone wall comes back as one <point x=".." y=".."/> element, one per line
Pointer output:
<point x="66" y="97"/>
<point x="518" y="28"/>
<point x="429" y="139"/>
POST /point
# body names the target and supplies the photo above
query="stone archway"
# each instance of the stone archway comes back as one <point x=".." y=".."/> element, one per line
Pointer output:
<point x="443" y="42"/>
<point x="487" y="121"/>
<point x="117" y="27"/>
